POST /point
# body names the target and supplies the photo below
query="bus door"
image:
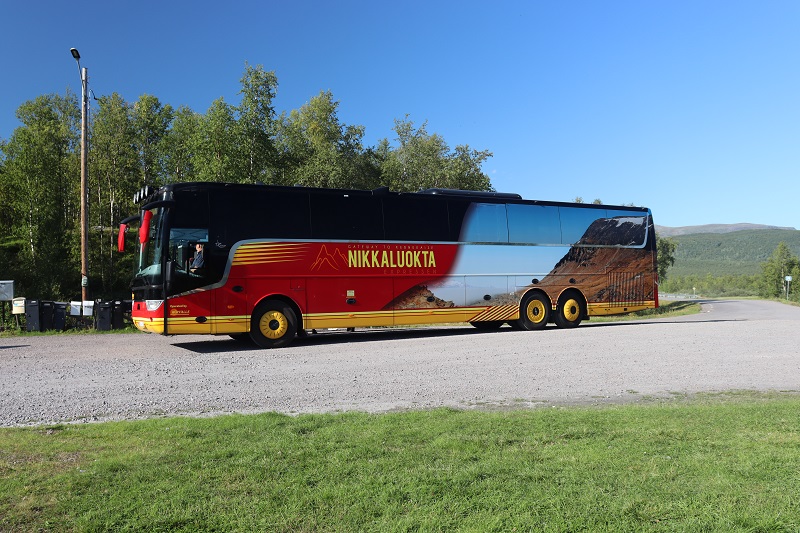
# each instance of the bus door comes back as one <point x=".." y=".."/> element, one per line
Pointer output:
<point x="189" y="313"/>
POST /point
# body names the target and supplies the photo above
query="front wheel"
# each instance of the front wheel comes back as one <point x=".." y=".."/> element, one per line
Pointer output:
<point x="273" y="324"/>
<point x="569" y="312"/>
<point x="534" y="312"/>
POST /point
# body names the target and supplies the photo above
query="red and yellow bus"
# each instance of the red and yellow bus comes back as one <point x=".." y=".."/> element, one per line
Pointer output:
<point x="282" y="260"/>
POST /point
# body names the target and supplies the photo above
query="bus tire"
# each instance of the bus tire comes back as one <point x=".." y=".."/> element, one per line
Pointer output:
<point x="534" y="312"/>
<point x="485" y="325"/>
<point x="273" y="324"/>
<point x="570" y="310"/>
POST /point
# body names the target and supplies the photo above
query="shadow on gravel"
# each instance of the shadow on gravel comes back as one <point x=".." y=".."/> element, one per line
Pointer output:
<point x="656" y="321"/>
<point x="14" y="346"/>
<point x="327" y="338"/>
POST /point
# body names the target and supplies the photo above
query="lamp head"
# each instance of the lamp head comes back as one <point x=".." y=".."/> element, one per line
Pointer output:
<point x="75" y="53"/>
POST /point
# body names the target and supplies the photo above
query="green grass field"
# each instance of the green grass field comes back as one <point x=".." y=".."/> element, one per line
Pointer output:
<point x="716" y="463"/>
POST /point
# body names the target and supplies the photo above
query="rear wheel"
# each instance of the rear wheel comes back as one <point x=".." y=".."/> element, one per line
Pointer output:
<point x="569" y="311"/>
<point x="273" y="324"/>
<point x="534" y="312"/>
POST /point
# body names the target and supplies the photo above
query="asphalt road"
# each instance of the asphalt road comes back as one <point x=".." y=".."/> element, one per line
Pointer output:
<point x="731" y="345"/>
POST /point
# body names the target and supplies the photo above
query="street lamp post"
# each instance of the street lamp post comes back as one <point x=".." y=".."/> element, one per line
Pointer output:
<point x="84" y="192"/>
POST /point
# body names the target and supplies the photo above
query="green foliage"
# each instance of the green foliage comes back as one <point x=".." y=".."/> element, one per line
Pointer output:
<point x="713" y="286"/>
<point x="319" y="151"/>
<point x="181" y="145"/>
<point x="151" y="122"/>
<point x="217" y="155"/>
<point x="115" y="170"/>
<point x="705" y="465"/>
<point x="736" y="253"/>
<point x="665" y="253"/>
<point x="257" y="124"/>
<point x="774" y="271"/>
<point x="40" y="180"/>
<point x="424" y="160"/>
<point x="736" y="264"/>
<point x="150" y="143"/>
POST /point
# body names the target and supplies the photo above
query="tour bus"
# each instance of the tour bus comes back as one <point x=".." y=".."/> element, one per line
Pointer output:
<point x="279" y="261"/>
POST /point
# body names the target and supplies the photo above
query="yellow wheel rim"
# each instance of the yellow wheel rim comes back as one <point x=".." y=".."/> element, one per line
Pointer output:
<point x="571" y="310"/>
<point x="273" y="325"/>
<point x="535" y="311"/>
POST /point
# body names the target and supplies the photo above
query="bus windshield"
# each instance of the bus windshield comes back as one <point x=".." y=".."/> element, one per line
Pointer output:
<point x="152" y="250"/>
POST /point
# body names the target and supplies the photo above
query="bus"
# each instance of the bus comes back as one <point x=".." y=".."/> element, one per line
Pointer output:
<point x="281" y="261"/>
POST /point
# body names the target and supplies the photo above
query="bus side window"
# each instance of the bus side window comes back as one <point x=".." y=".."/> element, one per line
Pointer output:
<point x="260" y="214"/>
<point x="533" y="224"/>
<point x="576" y="220"/>
<point x="420" y="219"/>
<point x="608" y="228"/>
<point x="634" y="224"/>
<point x="485" y="223"/>
<point x="346" y="216"/>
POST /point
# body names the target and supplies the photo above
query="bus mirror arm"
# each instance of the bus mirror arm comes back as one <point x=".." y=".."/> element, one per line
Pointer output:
<point x="169" y="274"/>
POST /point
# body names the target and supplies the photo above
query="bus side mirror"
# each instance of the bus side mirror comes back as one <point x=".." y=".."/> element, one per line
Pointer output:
<point x="123" y="228"/>
<point x="144" y="229"/>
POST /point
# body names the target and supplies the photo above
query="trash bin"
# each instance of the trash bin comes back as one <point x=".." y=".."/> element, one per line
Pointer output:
<point x="103" y="315"/>
<point x="46" y="315"/>
<point x="32" y="322"/>
<point x="117" y="317"/>
<point x="59" y="316"/>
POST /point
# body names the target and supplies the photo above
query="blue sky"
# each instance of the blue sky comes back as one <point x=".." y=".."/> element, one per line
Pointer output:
<point x="691" y="108"/>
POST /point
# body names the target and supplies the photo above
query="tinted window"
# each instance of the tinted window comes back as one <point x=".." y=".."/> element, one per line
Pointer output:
<point x="533" y="224"/>
<point x="346" y="216"/>
<point x="255" y="214"/>
<point x="409" y="218"/>
<point x="456" y="212"/>
<point x="604" y="228"/>
<point x="485" y="223"/>
<point x="631" y="227"/>
<point x="191" y="210"/>
<point x="575" y="221"/>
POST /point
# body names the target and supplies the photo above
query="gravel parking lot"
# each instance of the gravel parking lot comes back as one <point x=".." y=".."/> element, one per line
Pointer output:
<point x="731" y="345"/>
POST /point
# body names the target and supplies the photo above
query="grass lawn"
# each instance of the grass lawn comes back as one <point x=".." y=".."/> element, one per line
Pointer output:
<point x="728" y="463"/>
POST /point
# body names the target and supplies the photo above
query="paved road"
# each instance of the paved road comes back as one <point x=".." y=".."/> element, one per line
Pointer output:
<point x="730" y="345"/>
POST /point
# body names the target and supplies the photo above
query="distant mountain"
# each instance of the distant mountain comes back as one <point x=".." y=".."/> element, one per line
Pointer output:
<point x="666" y="231"/>
<point x="728" y="253"/>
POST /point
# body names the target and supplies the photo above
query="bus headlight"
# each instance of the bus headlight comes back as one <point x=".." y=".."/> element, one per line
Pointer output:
<point x="153" y="305"/>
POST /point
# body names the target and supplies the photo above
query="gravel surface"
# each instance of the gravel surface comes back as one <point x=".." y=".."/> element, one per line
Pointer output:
<point x="731" y="345"/>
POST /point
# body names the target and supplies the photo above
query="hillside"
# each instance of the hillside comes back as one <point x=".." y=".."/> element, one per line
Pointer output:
<point x="666" y="231"/>
<point x="734" y="252"/>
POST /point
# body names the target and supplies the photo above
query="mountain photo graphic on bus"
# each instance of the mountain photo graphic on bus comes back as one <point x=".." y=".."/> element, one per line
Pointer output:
<point x="279" y="261"/>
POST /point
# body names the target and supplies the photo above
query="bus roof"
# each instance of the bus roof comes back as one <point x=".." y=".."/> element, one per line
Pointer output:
<point x="487" y="196"/>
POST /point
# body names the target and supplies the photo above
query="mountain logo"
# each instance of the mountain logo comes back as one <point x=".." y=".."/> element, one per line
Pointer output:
<point x="335" y="260"/>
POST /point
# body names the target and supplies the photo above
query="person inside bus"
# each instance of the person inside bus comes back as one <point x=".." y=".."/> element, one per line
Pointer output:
<point x="198" y="262"/>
